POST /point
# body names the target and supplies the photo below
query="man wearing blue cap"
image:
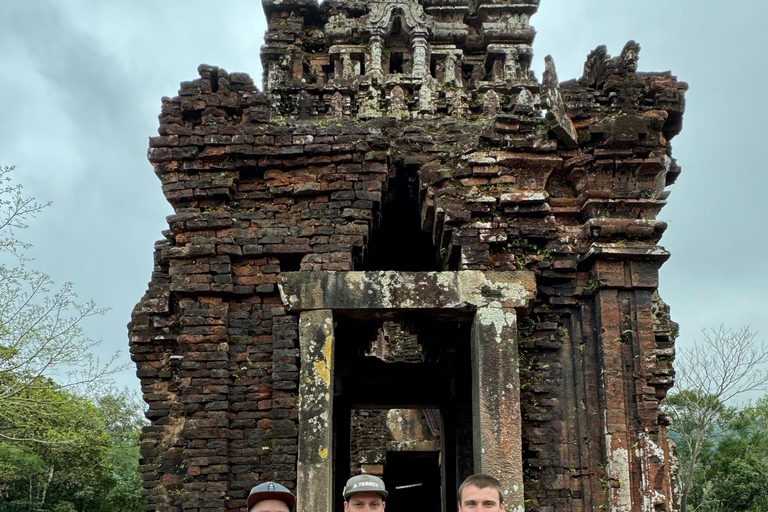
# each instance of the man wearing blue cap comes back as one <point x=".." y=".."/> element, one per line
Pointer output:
<point x="271" y="497"/>
<point x="364" y="493"/>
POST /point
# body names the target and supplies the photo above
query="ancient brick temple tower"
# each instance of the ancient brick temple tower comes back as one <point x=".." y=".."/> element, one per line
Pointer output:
<point x="408" y="220"/>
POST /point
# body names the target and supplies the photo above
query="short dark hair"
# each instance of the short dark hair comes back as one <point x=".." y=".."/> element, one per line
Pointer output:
<point x="481" y="482"/>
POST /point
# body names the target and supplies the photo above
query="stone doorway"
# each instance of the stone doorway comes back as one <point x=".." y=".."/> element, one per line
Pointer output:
<point x="486" y="303"/>
<point x="402" y="390"/>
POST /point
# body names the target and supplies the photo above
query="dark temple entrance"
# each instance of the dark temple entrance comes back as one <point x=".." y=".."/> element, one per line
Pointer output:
<point x="415" y="481"/>
<point x="407" y="384"/>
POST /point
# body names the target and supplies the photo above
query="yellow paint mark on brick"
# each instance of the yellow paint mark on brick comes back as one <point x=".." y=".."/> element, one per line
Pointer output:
<point x="323" y="452"/>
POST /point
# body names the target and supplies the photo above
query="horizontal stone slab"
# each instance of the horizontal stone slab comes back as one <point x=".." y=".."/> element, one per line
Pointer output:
<point x="625" y="251"/>
<point x="465" y="290"/>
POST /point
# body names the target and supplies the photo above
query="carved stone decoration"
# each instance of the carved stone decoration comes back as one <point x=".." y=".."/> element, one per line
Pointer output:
<point x="380" y="16"/>
<point x="525" y="101"/>
<point x="595" y="66"/>
<point x="427" y="95"/>
<point x="304" y="109"/>
<point x="511" y="65"/>
<point x="338" y="105"/>
<point x="509" y="62"/>
<point x="452" y="70"/>
<point x="599" y="65"/>
<point x="628" y="58"/>
<point x="457" y="104"/>
<point x="490" y="104"/>
<point x="666" y="331"/>
<point x="346" y="65"/>
<point x="375" y="44"/>
<point x="369" y="104"/>
<point x="398" y="105"/>
<point x="557" y="116"/>
<point x="339" y="27"/>
<point x="278" y="71"/>
<point x="503" y="22"/>
<point x="419" y="51"/>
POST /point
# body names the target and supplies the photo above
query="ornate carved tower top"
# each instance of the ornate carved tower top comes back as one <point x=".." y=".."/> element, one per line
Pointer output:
<point x="405" y="57"/>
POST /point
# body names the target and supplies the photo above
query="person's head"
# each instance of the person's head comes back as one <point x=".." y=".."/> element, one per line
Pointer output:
<point x="480" y="493"/>
<point x="271" y="497"/>
<point x="364" y="493"/>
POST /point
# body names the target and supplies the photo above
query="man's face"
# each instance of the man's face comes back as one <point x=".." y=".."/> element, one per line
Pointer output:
<point x="271" y="506"/>
<point x="474" y="499"/>
<point x="364" y="502"/>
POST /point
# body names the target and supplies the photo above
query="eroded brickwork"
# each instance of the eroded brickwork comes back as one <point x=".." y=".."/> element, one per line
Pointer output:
<point x="428" y="105"/>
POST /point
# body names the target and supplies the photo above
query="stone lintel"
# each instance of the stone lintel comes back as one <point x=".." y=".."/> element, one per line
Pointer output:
<point x="315" y="462"/>
<point x="625" y="251"/>
<point x="497" y="426"/>
<point x="466" y="290"/>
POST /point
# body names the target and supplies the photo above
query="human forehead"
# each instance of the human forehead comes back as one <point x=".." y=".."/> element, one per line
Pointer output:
<point x="474" y="493"/>
<point x="271" y="506"/>
<point x="366" y="497"/>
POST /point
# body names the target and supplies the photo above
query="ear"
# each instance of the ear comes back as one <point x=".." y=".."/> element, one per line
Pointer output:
<point x="501" y="507"/>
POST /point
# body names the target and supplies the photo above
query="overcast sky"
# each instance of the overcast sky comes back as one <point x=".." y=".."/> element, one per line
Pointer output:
<point x="80" y="92"/>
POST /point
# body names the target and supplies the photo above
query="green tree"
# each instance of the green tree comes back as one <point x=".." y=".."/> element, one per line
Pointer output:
<point x="64" y="447"/>
<point x="40" y="330"/>
<point x="60" y="454"/>
<point x="736" y="473"/>
<point x="124" y="418"/>
<point x="95" y="470"/>
<point x="716" y="370"/>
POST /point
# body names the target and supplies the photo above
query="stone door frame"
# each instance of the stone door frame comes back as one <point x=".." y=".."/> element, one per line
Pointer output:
<point x="493" y="300"/>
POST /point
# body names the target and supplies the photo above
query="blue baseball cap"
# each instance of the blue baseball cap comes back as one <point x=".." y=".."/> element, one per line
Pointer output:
<point x="271" y="491"/>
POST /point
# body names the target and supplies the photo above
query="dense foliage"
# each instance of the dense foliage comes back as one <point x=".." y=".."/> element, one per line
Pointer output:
<point x="725" y="365"/>
<point x="65" y="446"/>
<point x="84" y="459"/>
<point x="731" y="473"/>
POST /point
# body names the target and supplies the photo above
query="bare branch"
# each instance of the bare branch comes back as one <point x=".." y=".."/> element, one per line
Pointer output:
<point x="722" y="367"/>
<point x="42" y="343"/>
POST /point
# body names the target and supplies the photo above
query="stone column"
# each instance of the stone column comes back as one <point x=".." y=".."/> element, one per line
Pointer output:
<point x="618" y="449"/>
<point x="419" y="51"/>
<point x="451" y="69"/>
<point x="634" y="443"/>
<point x="346" y="64"/>
<point x="376" y="68"/>
<point x="511" y="65"/>
<point x="315" y="463"/>
<point x="496" y="418"/>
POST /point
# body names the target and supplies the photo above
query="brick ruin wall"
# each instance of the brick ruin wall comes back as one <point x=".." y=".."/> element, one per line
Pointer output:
<point x="378" y="431"/>
<point x="564" y="179"/>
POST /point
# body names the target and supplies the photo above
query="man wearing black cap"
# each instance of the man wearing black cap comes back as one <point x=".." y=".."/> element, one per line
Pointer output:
<point x="364" y="493"/>
<point x="271" y="497"/>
